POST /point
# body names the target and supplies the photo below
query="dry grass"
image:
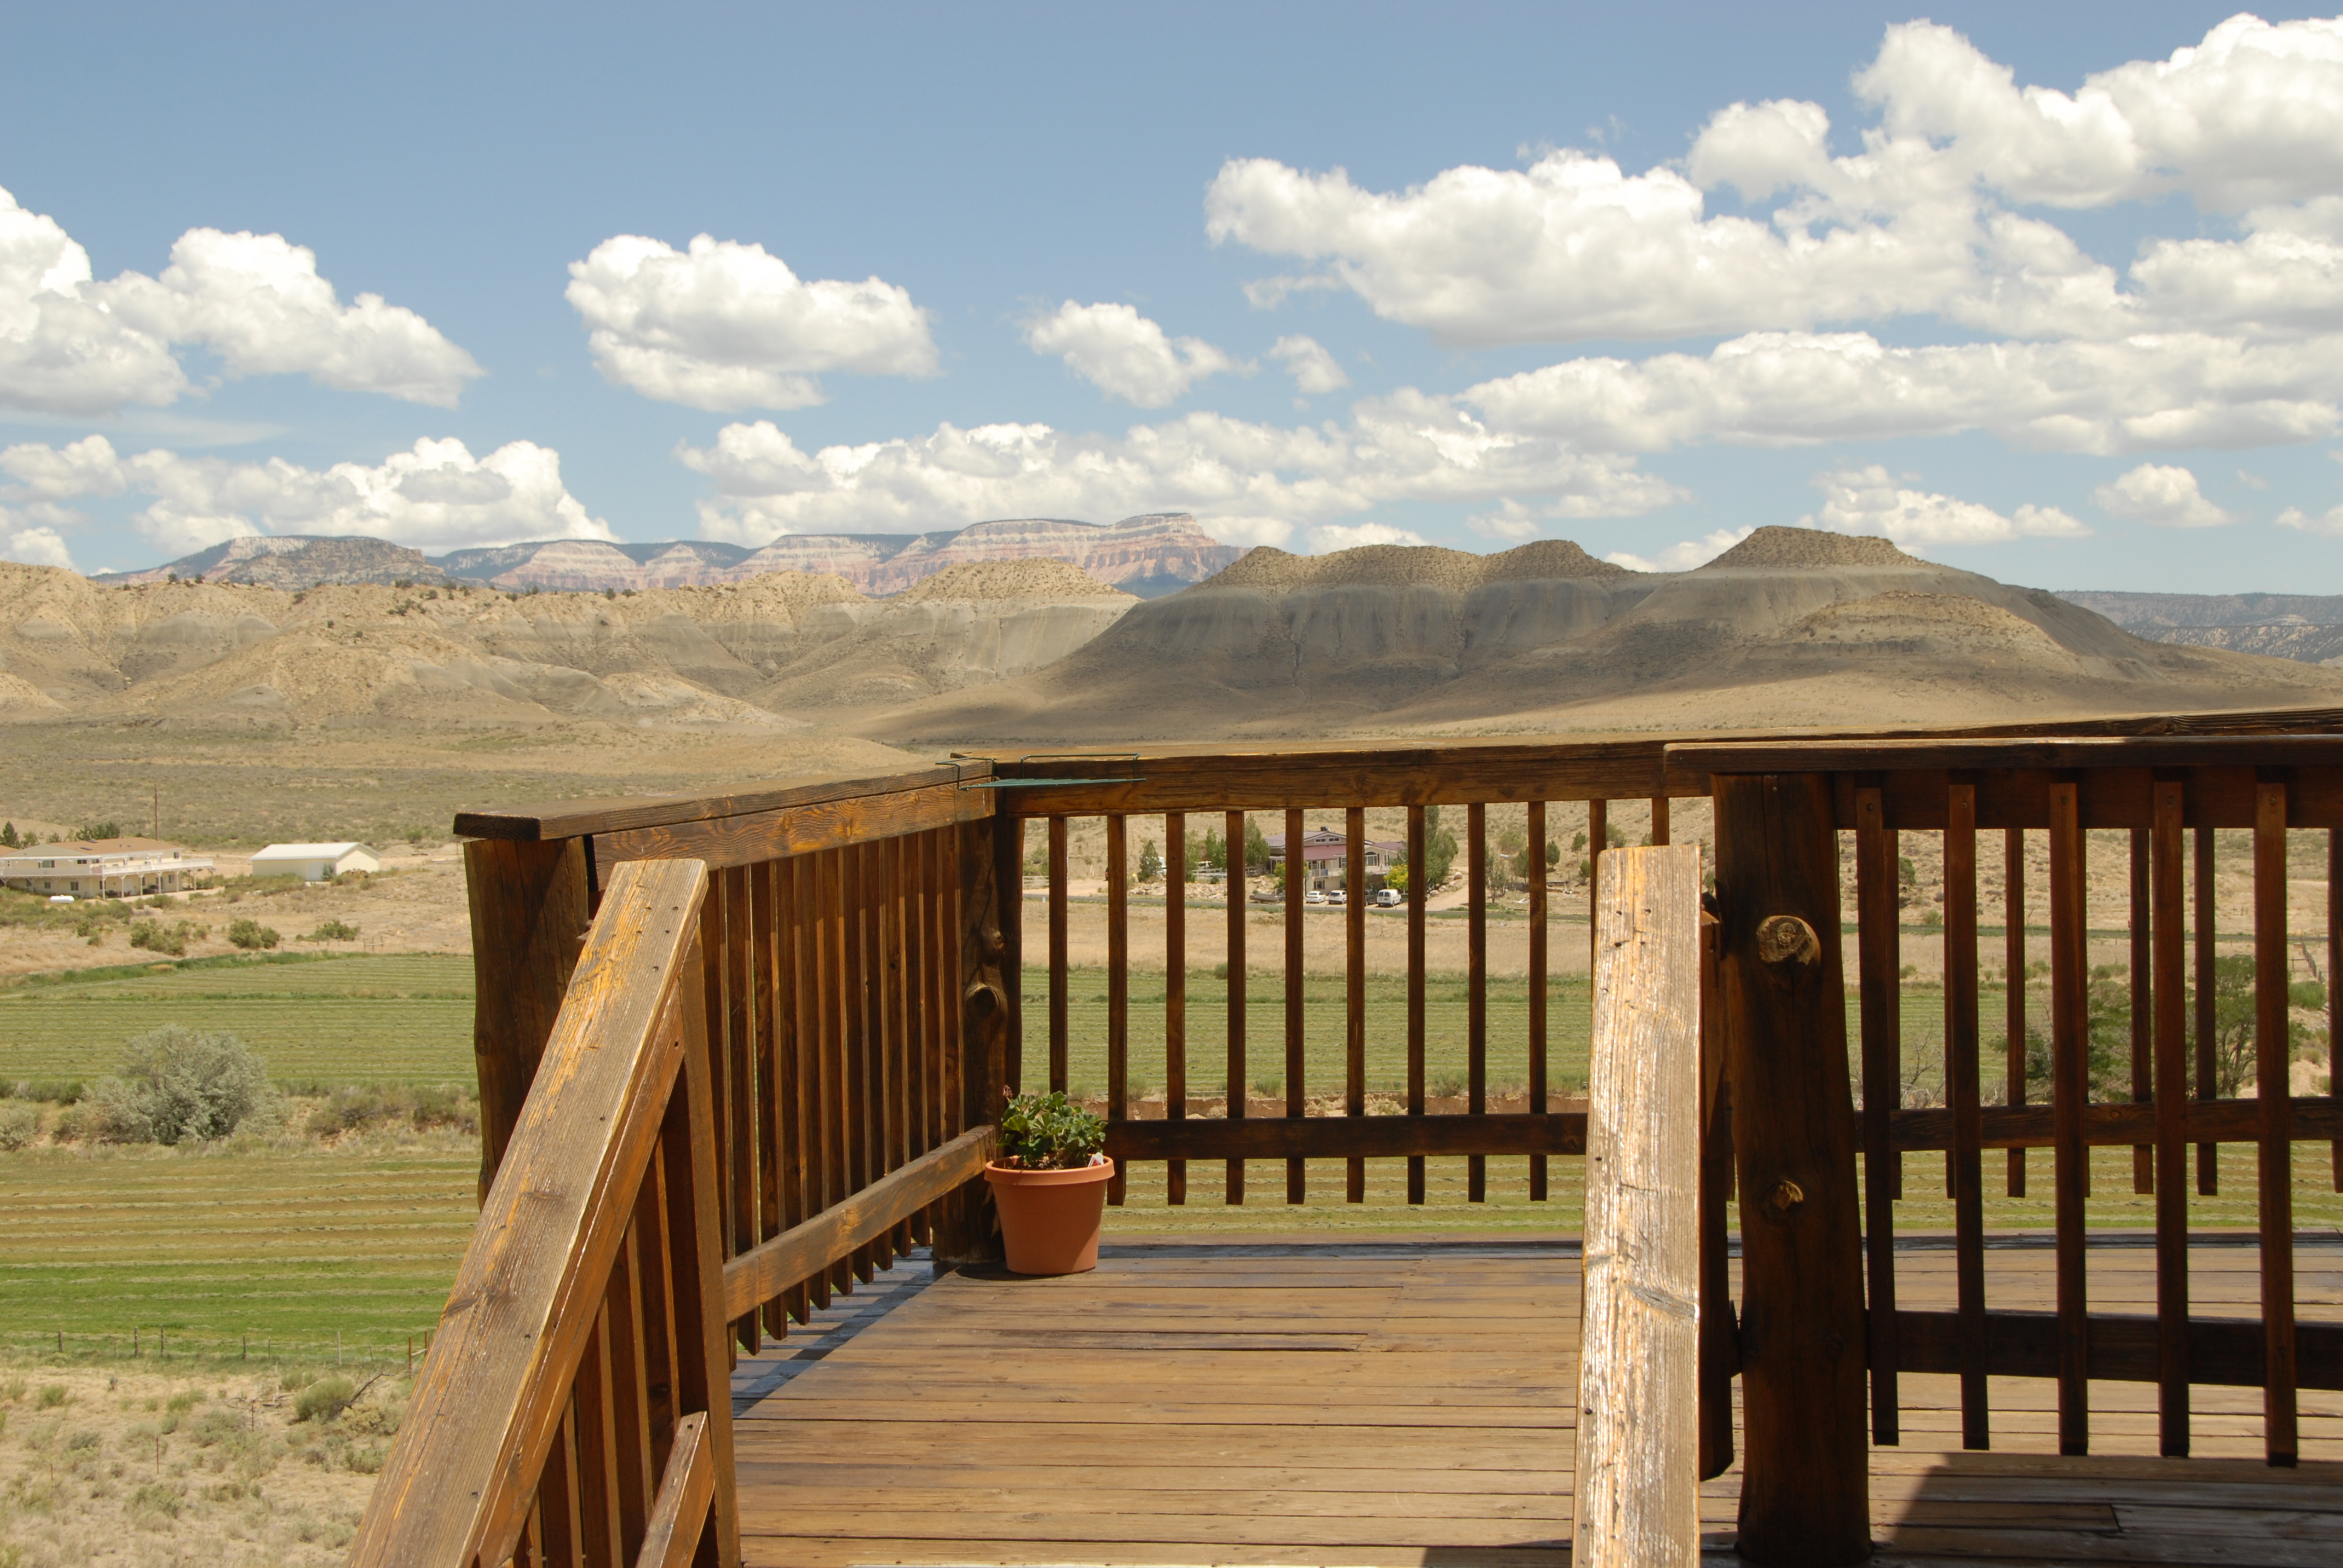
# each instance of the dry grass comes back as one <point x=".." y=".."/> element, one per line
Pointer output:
<point x="155" y="1468"/>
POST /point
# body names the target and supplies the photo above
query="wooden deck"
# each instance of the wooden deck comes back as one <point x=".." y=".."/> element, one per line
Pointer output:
<point x="1409" y="1402"/>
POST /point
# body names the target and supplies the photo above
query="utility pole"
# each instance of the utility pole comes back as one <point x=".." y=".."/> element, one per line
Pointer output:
<point x="158" y="810"/>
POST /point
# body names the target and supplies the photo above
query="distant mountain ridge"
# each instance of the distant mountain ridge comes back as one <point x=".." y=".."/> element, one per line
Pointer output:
<point x="2306" y="627"/>
<point x="1149" y="556"/>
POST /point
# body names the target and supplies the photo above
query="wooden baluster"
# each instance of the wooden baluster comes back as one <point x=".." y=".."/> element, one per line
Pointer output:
<point x="630" y="1394"/>
<point x="1059" y="1034"/>
<point x="814" y="882"/>
<point x="1537" y="1086"/>
<point x="895" y="944"/>
<point x="1176" y="993"/>
<point x="865" y="1092"/>
<point x="1118" y="987"/>
<point x="1720" y="1334"/>
<point x="2209" y="1155"/>
<point x="718" y="1011"/>
<point x="695" y="1229"/>
<point x="598" y="1446"/>
<point x="1240" y="1086"/>
<point x="1966" y="1093"/>
<point x="2070" y="1089"/>
<point x="2165" y="853"/>
<point x="765" y="957"/>
<point x="528" y="911"/>
<point x="1476" y="993"/>
<point x="1354" y="997"/>
<point x="984" y="873"/>
<point x="558" y="1508"/>
<point x="1805" y="1466"/>
<point x="2273" y="1091"/>
<point x="2013" y="963"/>
<point x="2143" y="1005"/>
<point x="1012" y="939"/>
<point x="937" y="1088"/>
<point x="918" y="1050"/>
<point x="1659" y="834"/>
<point x="1877" y="913"/>
<point x="740" y="1127"/>
<point x="838" y="915"/>
<point x="657" y="1301"/>
<point x="2335" y="985"/>
<point x="1417" y="892"/>
<point x="1297" y="883"/>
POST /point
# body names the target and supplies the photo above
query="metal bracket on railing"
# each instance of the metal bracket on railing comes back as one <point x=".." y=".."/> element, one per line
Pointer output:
<point x="1022" y="783"/>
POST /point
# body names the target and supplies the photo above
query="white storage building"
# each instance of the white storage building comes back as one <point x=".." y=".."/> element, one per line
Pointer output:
<point x="314" y="862"/>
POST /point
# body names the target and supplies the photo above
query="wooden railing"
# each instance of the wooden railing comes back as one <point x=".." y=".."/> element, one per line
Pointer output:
<point x="576" y="1406"/>
<point x="1819" y="1261"/>
<point x="859" y="980"/>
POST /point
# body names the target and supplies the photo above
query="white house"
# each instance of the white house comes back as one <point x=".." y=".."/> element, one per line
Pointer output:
<point x="100" y="867"/>
<point x="314" y="862"/>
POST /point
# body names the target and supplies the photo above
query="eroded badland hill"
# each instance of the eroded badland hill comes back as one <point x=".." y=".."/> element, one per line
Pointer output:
<point x="373" y="711"/>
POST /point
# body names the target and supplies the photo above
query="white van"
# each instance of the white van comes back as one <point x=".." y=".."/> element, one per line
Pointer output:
<point x="1387" y="897"/>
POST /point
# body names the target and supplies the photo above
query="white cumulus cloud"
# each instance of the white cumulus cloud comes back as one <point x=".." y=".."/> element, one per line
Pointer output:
<point x="1683" y="554"/>
<point x="2329" y="522"/>
<point x="1243" y="480"/>
<point x="72" y="344"/>
<point x="434" y="497"/>
<point x="1125" y="355"/>
<point x="2165" y="496"/>
<point x="1328" y="537"/>
<point x="724" y="326"/>
<point x="30" y="544"/>
<point x="1314" y="369"/>
<point x="1873" y="501"/>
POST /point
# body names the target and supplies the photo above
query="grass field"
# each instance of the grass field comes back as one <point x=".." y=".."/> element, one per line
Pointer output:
<point x="288" y="1245"/>
<point x="360" y="1019"/>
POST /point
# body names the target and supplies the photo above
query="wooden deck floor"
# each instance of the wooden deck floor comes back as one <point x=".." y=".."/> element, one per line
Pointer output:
<point x="1410" y="1402"/>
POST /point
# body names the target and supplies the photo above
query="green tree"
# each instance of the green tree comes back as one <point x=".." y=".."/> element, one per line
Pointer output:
<point x="1439" y="849"/>
<point x="1151" y="862"/>
<point x="1396" y="878"/>
<point x="8" y="839"/>
<point x="1256" y="850"/>
<point x="1554" y="853"/>
<point x="108" y="829"/>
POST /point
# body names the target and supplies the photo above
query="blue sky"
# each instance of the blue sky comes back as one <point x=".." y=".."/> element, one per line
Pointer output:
<point x="1064" y="261"/>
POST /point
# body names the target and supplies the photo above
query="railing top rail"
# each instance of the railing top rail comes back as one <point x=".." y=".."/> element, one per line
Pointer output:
<point x="1271" y="775"/>
<point x="579" y="819"/>
<point x="2042" y="753"/>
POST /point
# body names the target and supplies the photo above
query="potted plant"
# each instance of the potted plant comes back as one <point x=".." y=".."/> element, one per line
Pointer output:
<point x="1049" y="1182"/>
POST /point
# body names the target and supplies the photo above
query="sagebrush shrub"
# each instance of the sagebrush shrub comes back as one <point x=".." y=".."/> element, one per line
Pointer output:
<point x="180" y="1085"/>
<point x="19" y="1125"/>
<point x="249" y="934"/>
<point x="323" y="1399"/>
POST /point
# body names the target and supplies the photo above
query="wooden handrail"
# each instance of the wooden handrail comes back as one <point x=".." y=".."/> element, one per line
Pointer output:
<point x="618" y="1116"/>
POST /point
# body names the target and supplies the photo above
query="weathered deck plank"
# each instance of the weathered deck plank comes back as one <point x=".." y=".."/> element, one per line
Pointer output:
<point x="1409" y="1402"/>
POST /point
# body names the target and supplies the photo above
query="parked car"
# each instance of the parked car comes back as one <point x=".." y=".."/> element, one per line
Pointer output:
<point x="1388" y="899"/>
<point x="1313" y="897"/>
<point x="1337" y="897"/>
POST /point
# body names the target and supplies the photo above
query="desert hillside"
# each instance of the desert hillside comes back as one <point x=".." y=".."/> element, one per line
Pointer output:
<point x="742" y="656"/>
<point x="1791" y="627"/>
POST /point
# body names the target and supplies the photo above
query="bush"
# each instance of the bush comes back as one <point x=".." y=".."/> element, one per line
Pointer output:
<point x="178" y="1086"/>
<point x="108" y="829"/>
<point x="332" y="931"/>
<point x="19" y="1125"/>
<point x="354" y="1108"/>
<point x="323" y="1399"/>
<point x="156" y="937"/>
<point x="249" y="934"/>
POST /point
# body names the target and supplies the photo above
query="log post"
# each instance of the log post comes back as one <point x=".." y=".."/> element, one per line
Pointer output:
<point x="1806" y="1488"/>
<point x="529" y="915"/>
<point x="971" y="1231"/>
<point x="1636" y="1498"/>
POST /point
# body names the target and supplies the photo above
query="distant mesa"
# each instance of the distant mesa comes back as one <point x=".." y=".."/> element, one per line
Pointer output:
<point x="1149" y="556"/>
<point x="1775" y="548"/>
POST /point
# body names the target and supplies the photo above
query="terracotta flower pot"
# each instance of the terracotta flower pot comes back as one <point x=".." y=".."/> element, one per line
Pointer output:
<point x="1050" y="1219"/>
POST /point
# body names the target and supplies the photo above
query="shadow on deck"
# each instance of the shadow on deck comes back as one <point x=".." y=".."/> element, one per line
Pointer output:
<point x="1409" y="1402"/>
